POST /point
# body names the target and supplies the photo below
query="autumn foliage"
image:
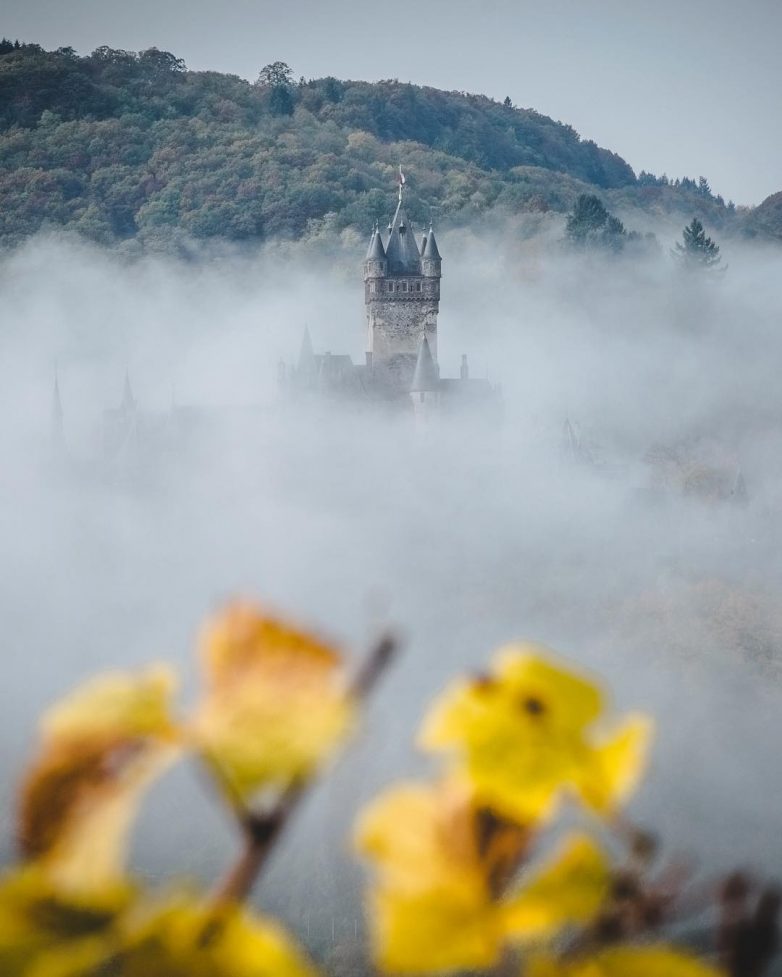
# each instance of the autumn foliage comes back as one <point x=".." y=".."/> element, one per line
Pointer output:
<point x="469" y="871"/>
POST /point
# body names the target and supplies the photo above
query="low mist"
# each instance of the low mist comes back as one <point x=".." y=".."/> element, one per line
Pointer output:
<point x="604" y="514"/>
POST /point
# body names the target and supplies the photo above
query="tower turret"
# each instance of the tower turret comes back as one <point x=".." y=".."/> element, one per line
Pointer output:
<point x="402" y="297"/>
<point x="425" y="378"/>
<point x="431" y="262"/>
<point x="376" y="264"/>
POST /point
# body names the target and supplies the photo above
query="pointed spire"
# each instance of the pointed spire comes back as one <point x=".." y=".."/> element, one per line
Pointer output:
<point x="402" y="251"/>
<point x="376" y="251"/>
<point x="57" y="411"/>
<point x="570" y="443"/>
<point x="430" y="249"/>
<point x="425" y="377"/>
<point x="128" y="400"/>
<point x="56" y="400"/>
<point x="306" y="354"/>
<point x="739" y="492"/>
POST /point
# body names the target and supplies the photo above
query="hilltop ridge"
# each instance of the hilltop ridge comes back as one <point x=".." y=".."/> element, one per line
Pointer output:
<point x="119" y="145"/>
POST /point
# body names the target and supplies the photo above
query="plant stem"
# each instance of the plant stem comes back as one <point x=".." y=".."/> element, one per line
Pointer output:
<point x="262" y="829"/>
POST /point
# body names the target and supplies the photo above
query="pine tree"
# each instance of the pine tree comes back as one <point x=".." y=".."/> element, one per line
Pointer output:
<point x="591" y="225"/>
<point x="588" y="217"/>
<point x="697" y="251"/>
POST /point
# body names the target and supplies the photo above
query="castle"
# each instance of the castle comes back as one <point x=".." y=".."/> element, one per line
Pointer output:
<point x="401" y="370"/>
<point x="402" y="302"/>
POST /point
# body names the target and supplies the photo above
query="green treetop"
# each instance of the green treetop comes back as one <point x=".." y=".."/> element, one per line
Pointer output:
<point x="696" y="250"/>
<point x="590" y="224"/>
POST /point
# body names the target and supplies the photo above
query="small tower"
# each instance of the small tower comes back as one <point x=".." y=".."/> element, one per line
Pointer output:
<point x="375" y="265"/>
<point x="431" y="262"/>
<point x="128" y="405"/>
<point x="425" y="385"/>
<point x="57" y="429"/>
<point x="402" y="297"/>
<point x="739" y="494"/>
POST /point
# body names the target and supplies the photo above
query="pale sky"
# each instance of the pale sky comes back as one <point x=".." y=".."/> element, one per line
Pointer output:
<point x="687" y="87"/>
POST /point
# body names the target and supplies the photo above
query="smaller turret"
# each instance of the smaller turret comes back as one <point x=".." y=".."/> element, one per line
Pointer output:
<point x="426" y="377"/>
<point x="739" y="493"/>
<point x="431" y="262"/>
<point x="306" y="366"/>
<point x="375" y="265"/>
<point x="128" y="404"/>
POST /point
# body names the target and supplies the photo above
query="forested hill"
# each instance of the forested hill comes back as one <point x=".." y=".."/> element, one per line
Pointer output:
<point x="119" y="145"/>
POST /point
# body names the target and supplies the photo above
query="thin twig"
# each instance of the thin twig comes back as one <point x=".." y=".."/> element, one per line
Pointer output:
<point x="262" y="829"/>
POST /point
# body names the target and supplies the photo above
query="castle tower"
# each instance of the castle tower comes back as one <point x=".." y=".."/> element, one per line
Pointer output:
<point x="402" y="296"/>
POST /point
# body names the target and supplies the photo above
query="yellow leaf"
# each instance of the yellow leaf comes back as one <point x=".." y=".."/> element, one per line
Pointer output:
<point x="432" y="908"/>
<point x="433" y="931"/>
<point x="569" y="890"/>
<point x="101" y="747"/>
<point x="617" y="765"/>
<point x="186" y="939"/>
<point x="114" y="705"/>
<point x="625" y="961"/>
<point x="44" y="933"/>
<point x="419" y="837"/>
<point x="275" y="705"/>
<point x="524" y="735"/>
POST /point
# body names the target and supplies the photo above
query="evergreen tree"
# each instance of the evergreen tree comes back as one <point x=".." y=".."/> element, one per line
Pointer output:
<point x="696" y="250"/>
<point x="587" y="218"/>
<point x="590" y="224"/>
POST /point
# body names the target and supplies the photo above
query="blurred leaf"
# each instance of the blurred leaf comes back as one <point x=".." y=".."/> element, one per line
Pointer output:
<point x="101" y="747"/>
<point x="524" y="734"/>
<point x="275" y="704"/>
<point x="42" y="931"/>
<point x="432" y="907"/>
<point x="570" y="889"/>
<point x="625" y="961"/>
<point x="187" y="939"/>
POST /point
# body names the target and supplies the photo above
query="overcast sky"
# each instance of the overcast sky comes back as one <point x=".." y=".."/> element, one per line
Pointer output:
<point x="686" y="87"/>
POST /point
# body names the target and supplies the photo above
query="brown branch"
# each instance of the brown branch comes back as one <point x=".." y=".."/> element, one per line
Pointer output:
<point x="262" y="829"/>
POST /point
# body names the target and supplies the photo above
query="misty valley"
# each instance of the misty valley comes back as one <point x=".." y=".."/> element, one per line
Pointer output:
<point x="621" y="508"/>
<point x="389" y="514"/>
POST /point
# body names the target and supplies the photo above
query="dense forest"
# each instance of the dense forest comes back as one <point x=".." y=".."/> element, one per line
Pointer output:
<point x="120" y="145"/>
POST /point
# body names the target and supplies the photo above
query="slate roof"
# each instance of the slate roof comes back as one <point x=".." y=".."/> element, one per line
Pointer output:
<point x="425" y="377"/>
<point x="430" y="246"/>
<point x="402" y="252"/>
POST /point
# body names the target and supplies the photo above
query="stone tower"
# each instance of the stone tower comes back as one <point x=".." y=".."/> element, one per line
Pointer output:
<point x="402" y="296"/>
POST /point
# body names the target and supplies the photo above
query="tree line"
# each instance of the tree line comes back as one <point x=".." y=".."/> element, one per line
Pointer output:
<point x="119" y="145"/>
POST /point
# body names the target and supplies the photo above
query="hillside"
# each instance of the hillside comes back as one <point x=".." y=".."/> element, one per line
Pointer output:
<point x="765" y="220"/>
<point x="117" y="145"/>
